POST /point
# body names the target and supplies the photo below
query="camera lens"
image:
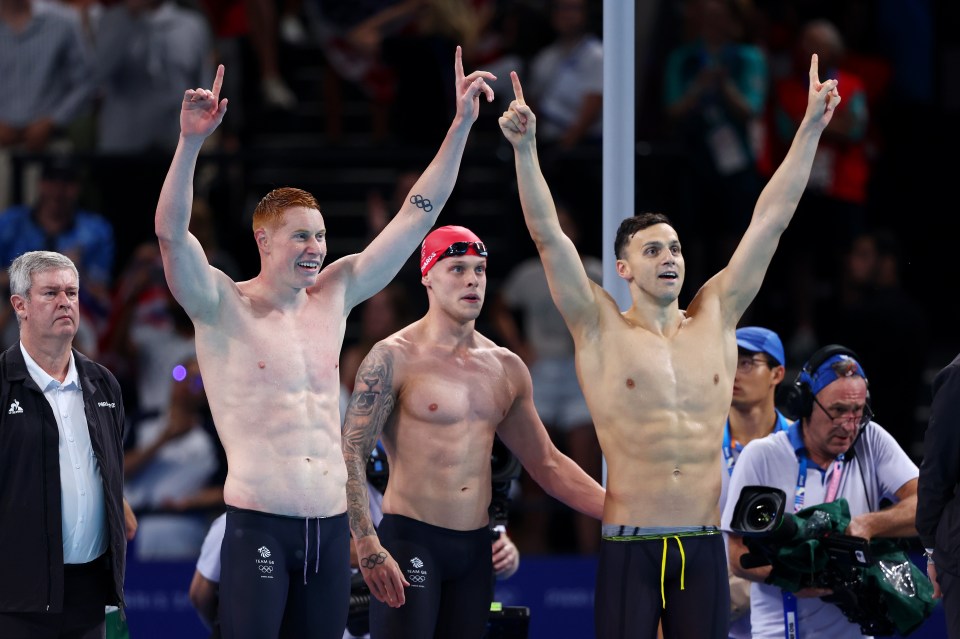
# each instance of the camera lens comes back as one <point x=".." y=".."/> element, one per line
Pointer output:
<point x="760" y="513"/>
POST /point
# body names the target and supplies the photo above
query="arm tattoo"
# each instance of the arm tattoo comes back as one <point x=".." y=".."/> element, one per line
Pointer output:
<point x="371" y="404"/>
<point x="421" y="203"/>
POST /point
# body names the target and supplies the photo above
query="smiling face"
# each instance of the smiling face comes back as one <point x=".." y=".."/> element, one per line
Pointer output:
<point x="652" y="261"/>
<point x="457" y="286"/>
<point x="50" y="309"/>
<point x="294" y="249"/>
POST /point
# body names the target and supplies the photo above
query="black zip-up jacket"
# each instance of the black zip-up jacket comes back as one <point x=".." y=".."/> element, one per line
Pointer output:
<point x="938" y="497"/>
<point x="30" y="512"/>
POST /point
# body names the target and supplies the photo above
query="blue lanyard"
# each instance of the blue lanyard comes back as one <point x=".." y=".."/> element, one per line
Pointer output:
<point x="791" y="621"/>
<point x="728" y="448"/>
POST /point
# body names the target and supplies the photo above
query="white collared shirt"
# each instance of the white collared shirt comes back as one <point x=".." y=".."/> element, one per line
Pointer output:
<point x="83" y="506"/>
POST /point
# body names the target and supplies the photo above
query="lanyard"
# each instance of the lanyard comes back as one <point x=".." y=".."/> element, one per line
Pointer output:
<point x="729" y="447"/>
<point x="791" y="622"/>
<point x="832" y="488"/>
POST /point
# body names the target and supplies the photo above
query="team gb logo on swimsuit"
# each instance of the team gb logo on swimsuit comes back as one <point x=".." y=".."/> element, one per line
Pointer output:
<point x="264" y="564"/>
<point x="417" y="576"/>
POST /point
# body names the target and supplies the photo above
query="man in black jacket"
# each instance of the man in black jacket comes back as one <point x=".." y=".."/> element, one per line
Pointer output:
<point x="938" y="501"/>
<point x="61" y="465"/>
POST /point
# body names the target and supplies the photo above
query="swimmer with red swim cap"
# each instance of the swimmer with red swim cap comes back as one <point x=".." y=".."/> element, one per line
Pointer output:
<point x="435" y="393"/>
<point x="449" y="241"/>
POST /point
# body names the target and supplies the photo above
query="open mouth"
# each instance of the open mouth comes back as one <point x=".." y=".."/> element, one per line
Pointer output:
<point x="669" y="275"/>
<point x="309" y="265"/>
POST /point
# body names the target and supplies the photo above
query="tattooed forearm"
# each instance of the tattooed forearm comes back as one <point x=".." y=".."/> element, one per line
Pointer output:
<point x="358" y="509"/>
<point x="370" y="407"/>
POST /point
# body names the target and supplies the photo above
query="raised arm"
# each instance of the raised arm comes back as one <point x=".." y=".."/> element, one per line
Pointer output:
<point x="739" y="282"/>
<point x="524" y="434"/>
<point x="188" y="273"/>
<point x="373" y="268"/>
<point x="571" y="289"/>
<point x="373" y="400"/>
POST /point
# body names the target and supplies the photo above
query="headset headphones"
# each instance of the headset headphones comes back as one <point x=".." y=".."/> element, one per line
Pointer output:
<point x="798" y="402"/>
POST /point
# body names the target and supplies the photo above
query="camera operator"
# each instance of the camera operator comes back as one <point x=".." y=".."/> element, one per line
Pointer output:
<point x="833" y="451"/>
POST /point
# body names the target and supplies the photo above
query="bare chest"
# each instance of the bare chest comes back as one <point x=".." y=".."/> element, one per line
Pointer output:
<point x="692" y="370"/>
<point x="291" y="352"/>
<point x="457" y="393"/>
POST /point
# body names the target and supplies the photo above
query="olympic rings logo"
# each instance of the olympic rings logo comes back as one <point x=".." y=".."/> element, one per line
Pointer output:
<point x="422" y="203"/>
<point x="265" y="569"/>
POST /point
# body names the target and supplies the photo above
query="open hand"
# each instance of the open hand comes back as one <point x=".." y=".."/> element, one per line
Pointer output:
<point x="518" y="123"/>
<point x="469" y="89"/>
<point x="203" y="110"/>
<point x="822" y="97"/>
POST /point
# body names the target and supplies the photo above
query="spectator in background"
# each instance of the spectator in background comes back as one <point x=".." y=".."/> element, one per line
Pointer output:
<point x="837" y="192"/>
<point x="57" y="223"/>
<point x="174" y="471"/>
<point x="253" y="23"/>
<point x="566" y="79"/>
<point x="146" y="51"/>
<point x="545" y="345"/>
<point x="872" y="306"/>
<point x="149" y="335"/>
<point x="753" y="414"/>
<point x="47" y="78"/>
<point x="714" y="95"/>
<point x="47" y="83"/>
<point x="566" y="83"/>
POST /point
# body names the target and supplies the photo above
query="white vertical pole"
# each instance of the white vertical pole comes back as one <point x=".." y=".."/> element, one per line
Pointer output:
<point x="618" y="134"/>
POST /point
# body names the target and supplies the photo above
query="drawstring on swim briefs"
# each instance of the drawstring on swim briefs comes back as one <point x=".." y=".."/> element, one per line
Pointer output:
<point x="306" y="549"/>
<point x="663" y="567"/>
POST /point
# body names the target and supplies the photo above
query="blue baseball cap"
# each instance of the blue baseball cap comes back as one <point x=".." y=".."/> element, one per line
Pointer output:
<point x="761" y="340"/>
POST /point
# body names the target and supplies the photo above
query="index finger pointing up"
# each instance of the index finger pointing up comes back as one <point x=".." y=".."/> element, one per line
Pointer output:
<point x="458" y="64"/>
<point x="814" y="72"/>
<point x="517" y="89"/>
<point x="218" y="82"/>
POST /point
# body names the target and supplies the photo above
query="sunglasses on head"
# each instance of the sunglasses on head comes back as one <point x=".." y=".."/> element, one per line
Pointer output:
<point x="461" y="248"/>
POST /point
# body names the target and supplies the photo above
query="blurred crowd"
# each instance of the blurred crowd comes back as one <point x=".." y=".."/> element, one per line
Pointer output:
<point x="89" y="117"/>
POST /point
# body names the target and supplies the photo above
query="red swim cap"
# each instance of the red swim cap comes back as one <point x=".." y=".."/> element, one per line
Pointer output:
<point x="448" y="241"/>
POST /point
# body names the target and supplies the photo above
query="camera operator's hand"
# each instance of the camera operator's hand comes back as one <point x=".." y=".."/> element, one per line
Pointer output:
<point x="860" y="527"/>
<point x="811" y="593"/>
<point x="381" y="572"/>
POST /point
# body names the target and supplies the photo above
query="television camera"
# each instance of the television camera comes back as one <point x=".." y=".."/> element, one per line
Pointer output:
<point x="874" y="583"/>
